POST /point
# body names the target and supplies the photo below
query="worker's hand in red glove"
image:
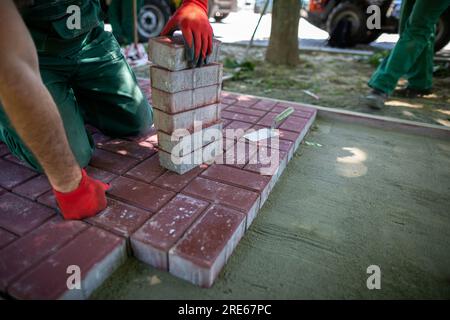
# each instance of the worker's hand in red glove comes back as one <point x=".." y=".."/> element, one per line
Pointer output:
<point x="192" y="19"/>
<point x="83" y="202"/>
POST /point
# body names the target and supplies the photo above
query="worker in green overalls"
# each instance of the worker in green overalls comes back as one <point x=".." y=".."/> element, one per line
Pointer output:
<point x="66" y="71"/>
<point x="412" y="56"/>
<point x="120" y="14"/>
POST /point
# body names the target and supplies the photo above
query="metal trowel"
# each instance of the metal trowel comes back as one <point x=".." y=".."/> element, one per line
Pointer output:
<point x="266" y="133"/>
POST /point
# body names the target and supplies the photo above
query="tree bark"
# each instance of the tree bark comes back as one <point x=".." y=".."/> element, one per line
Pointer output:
<point x="283" y="43"/>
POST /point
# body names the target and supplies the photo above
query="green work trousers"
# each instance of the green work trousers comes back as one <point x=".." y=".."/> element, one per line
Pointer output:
<point x="412" y="56"/>
<point x="90" y="82"/>
<point x="120" y="14"/>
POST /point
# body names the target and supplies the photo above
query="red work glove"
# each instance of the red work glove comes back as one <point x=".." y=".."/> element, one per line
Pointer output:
<point x="85" y="201"/>
<point x="192" y="19"/>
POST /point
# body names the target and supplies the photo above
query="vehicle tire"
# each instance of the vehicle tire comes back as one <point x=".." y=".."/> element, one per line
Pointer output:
<point x="352" y="12"/>
<point x="443" y="31"/>
<point x="219" y="17"/>
<point x="370" y="36"/>
<point x="152" y="18"/>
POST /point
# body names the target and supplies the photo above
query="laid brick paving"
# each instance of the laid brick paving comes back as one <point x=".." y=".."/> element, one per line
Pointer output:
<point x="186" y="224"/>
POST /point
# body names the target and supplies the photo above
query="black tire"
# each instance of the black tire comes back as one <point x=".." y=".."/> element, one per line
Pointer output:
<point x="220" y="17"/>
<point x="352" y="12"/>
<point x="370" y="36"/>
<point x="152" y="18"/>
<point x="443" y="31"/>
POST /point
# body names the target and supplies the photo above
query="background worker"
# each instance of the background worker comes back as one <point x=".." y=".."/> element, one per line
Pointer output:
<point x="49" y="89"/>
<point x="413" y="54"/>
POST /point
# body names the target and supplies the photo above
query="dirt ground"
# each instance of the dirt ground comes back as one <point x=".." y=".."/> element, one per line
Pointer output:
<point x="339" y="80"/>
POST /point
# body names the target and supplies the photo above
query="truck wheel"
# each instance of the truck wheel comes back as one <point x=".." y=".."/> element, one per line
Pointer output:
<point x="220" y="16"/>
<point x="442" y="31"/>
<point x="354" y="14"/>
<point x="370" y="36"/>
<point x="152" y="18"/>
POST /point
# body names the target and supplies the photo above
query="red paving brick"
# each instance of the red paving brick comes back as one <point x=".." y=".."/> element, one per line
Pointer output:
<point x="145" y="196"/>
<point x="20" y="215"/>
<point x="237" y="177"/>
<point x="240" y="117"/>
<point x="238" y="198"/>
<point x="295" y="124"/>
<point x="6" y="238"/>
<point x="236" y="129"/>
<point x="138" y="150"/>
<point x="203" y="251"/>
<point x="265" y="105"/>
<point x="112" y="162"/>
<point x="38" y="245"/>
<point x="13" y="174"/>
<point x="33" y="188"/>
<point x="96" y="252"/>
<point x="120" y="218"/>
<point x="147" y="171"/>
<point x="100" y="174"/>
<point x="246" y="110"/>
<point x="151" y="243"/>
<point x="3" y="149"/>
<point x="176" y="182"/>
<point x="48" y="199"/>
<point x="27" y="251"/>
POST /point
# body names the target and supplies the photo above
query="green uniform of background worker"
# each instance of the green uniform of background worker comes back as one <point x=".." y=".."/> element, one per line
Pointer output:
<point x="88" y="81"/>
<point x="412" y="56"/>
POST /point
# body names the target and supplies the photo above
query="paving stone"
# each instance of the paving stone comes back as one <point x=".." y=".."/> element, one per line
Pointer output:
<point x="236" y="129"/>
<point x="182" y="165"/>
<point x="168" y="123"/>
<point x="238" y="198"/>
<point x="267" y="161"/>
<point x="48" y="199"/>
<point x="30" y="249"/>
<point x="169" y="52"/>
<point x="100" y="138"/>
<point x="20" y="215"/>
<point x="13" y="174"/>
<point x="151" y="243"/>
<point x="297" y="112"/>
<point x="173" y="103"/>
<point x="6" y="238"/>
<point x="33" y="188"/>
<point x="246" y="110"/>
<point x="189" y="79"/>
<point x="96" y="252"/>
<point x="265" y="105"/>
<point x="3" y="149"/>
<point x="14" y="159"/>
<point x="239" y="116"/>
<point x="237" y="177"/>
<point x="185" y="142"/>
<point x="295" y="124"/>
<point x="267" y="120"/>
<point x="297" y="107"/>
<point x="176" y="182"/>
<point x="112" y="162"/>
<point x="238" y="155"/>
<point x="200" y="255"/>
<point x="138" y="150"/>
<point x="139" y="194"/>
<point x="149" y="136"/>
<point x="227" y="101"/>
<point x="147" y="170"/>
<point x="120" y="218"/>
<point x="245" y="101"/>
<point x="100" y="174"/>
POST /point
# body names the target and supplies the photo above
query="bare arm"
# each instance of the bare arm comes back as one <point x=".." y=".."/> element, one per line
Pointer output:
<point x="29" y="105"/>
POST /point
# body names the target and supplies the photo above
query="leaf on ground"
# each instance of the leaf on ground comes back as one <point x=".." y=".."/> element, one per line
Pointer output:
<point x="154" y="280"/>
<point x="314" y="144"/>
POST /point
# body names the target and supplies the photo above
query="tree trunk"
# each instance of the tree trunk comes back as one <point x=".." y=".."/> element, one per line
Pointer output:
<point x="283" y="43"/>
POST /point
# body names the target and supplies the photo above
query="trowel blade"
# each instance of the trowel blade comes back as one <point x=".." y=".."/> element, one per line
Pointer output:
<point x="261" y="134"/>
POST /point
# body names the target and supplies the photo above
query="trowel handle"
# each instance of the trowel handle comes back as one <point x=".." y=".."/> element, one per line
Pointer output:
<point x="283" y="115"/>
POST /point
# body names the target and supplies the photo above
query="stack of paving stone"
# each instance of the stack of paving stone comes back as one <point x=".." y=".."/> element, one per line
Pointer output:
<point x="186" y="105"/>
